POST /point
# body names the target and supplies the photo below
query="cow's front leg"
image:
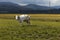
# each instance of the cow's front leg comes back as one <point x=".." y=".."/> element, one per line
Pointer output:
<point x="21" y="22"/>
<point x="28" y="22"/>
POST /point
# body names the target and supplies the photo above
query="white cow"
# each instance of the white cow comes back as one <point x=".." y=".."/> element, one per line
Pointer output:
<point x="23" y="18"/>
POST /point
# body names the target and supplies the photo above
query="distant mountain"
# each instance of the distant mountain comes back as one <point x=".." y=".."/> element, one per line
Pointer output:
<point x="36" y="7"/>
<point x="9" y="7"/>
<point x="57" y="7"/>
<point x="12" y="7"/>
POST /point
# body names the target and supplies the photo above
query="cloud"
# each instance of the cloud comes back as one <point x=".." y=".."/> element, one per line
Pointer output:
<point x="57" y="3"/>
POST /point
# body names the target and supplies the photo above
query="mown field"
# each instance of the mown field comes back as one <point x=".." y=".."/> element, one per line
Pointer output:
<point x="43" y="27"/>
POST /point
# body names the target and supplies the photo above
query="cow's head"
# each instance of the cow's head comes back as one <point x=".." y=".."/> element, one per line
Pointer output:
<point x="17" y="17"/>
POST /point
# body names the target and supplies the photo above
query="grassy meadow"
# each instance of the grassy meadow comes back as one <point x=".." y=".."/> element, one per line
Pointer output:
<point x="43" y="27"/>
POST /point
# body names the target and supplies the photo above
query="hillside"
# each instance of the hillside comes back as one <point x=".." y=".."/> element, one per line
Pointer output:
<point x="9" y="7"/>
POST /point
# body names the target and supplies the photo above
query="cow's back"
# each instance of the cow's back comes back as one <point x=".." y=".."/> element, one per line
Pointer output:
<point x="24" y="17"/>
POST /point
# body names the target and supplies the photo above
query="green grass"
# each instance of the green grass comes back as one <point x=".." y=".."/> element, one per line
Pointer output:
<point x="41" y="28"/>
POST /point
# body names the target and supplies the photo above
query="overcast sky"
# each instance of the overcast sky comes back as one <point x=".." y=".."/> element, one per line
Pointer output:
<point x="39" y="2"/>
